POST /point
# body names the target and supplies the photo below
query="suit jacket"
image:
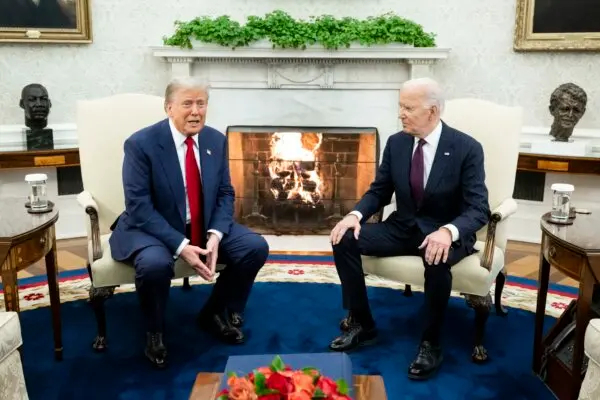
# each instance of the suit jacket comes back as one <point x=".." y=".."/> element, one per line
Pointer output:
<point x="455" y="192"/>
<point x="155" y="195"/>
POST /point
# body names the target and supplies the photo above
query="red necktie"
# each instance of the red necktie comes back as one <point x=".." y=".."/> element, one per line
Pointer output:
<point x="194" y="192"/>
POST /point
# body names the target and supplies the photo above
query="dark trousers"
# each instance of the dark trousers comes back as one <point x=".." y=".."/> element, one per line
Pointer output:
<point x="242" y="251"/>
<point x="385" y="239"/>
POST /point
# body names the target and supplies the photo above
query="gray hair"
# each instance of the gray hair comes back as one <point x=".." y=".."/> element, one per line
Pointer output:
<point x="434" y="94"/>
<point x="186" y="82"/>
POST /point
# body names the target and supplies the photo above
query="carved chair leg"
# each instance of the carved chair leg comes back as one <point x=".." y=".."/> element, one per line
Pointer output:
<point x="97" y="298"/>
<point x="407" y="291"/>
<point x="500" y="280"/>
<point x="482" y="306"/>
<point x="186" y="284"/>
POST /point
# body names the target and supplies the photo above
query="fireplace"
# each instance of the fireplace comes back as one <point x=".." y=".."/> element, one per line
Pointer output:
<point x="299" y="180"/>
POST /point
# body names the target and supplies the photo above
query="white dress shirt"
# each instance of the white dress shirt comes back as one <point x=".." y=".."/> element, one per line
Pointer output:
<point x="429" y="149"/>
<point x="181" y="148"/>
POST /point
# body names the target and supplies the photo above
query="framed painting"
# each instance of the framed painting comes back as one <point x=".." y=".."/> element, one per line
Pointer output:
<point x="45" y="21"/>
<point x="557" y="25"/>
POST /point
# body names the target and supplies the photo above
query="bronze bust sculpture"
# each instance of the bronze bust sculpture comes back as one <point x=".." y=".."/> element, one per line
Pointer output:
<point x="567" y="106"/>
<point x="36" y="104"/>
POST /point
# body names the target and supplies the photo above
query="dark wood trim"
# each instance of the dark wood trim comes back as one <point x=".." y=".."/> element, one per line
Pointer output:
<point x="558" y="164"/>
<point x="39" y="158"/>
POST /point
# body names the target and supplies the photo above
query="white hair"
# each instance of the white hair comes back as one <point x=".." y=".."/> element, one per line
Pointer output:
<point x="434" y="95"/>
<point x="186" y="82"/>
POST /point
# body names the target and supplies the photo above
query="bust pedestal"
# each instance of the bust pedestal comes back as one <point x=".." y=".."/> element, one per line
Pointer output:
<point x="39" y="139"/>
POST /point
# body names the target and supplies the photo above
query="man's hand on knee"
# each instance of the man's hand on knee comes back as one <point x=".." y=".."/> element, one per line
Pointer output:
<point x="191" y="255"/>
<point x="437" y="246"/>
<point x="350" y="221"/>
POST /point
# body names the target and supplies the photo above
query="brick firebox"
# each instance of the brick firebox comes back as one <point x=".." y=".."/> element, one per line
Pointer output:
<point x="299" y="180"/>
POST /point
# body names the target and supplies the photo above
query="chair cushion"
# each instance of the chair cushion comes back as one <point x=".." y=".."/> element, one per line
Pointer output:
<point x="592" y="340"/>
<point x="467" y="276"/>
<point x="108" y="272"/>
<point x="10" y="333"/>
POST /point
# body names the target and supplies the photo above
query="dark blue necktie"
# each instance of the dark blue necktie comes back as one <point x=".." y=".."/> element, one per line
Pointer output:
<point x="417" y="173"/>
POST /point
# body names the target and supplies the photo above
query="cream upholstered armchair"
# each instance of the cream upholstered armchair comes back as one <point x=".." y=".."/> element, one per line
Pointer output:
<point x="590" y="387"/>
<point x="12" y="380"/>
<point x="497" y="128"/>
<point x="103" y="125"/>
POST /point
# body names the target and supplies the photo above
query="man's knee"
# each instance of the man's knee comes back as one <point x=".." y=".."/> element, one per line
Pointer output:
<point x="258" y="250"/>
<point x="154" y="264"/>
<point x="347" y="240"/>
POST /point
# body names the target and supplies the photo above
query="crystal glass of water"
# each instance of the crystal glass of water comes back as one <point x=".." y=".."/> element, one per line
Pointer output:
<point x="561" y="201"/>
<point x="38" y="199"/>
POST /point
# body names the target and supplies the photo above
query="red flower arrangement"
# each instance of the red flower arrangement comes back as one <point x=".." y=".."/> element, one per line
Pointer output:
<point x="280" y="382"/>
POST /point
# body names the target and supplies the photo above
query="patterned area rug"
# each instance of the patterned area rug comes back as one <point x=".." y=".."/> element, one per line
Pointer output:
<point x="74" y="285"/>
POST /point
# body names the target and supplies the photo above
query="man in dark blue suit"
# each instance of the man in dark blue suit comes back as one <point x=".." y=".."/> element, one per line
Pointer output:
<point x="179" y="204"/>
<point x="437" y="174"/>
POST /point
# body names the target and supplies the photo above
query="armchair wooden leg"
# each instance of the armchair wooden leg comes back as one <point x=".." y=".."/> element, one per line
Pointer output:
<point x="482" y="306"/>
<point x="186" y="284"/>
<point x="407" y="291"/>
<point x="97" y="298"/>
<point x="500" y="280"/>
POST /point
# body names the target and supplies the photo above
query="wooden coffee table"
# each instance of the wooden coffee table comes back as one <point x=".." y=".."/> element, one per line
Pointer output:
<point x="367" y="387"/>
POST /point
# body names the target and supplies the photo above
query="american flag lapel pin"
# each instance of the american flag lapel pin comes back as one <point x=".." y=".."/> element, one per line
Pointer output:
<point x="208" y="152"/>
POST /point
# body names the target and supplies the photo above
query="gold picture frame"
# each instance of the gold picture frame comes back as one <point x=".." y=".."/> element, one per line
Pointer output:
<point x="548" y="39"/>
<point x="45" y="21"/>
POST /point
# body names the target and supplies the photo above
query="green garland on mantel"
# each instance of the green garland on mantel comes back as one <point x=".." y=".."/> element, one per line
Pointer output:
<point x="283" y="31"/>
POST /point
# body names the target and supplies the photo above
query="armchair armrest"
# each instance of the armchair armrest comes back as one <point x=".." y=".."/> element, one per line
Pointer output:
<point x="88" y="203"/>
<point x="507" y="208"/>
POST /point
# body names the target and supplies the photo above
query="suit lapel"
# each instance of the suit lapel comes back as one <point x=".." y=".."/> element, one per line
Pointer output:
<point x="207" y="166"/>
<point x="443" y="155"/>
<point x="170" y="164"/>
<point x="406" y="157"/>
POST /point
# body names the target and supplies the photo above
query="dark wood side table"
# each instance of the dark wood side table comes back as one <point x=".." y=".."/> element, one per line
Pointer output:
<point x="575" y="251"/>
<point x="366" y="387"/>
<point x="24" y="239"/>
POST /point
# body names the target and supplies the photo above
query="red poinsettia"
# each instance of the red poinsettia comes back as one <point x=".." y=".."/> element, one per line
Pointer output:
<point x="280" y="382"/>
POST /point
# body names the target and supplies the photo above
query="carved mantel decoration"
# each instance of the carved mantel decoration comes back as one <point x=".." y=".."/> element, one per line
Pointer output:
<point x="356" y="67"/>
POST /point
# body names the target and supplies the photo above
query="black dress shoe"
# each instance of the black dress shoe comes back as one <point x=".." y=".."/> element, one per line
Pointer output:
<point x="236" y="319"/>
<point x="220" y="326"/>
<point x="155" y="350"/>
<point x="427" y="363"/>
<point x="354" y="337"/>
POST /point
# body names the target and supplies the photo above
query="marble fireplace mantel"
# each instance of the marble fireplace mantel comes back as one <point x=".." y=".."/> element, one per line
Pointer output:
<point x="259" y="66"/>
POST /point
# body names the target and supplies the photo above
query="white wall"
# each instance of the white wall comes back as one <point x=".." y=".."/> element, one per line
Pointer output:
<point x="480" y="33"/>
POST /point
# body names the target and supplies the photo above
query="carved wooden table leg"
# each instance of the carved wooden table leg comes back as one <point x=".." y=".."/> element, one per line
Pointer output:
<point x="540" y="312"/>
<point x="9" y="282"/>
<point x="52" y="272"/>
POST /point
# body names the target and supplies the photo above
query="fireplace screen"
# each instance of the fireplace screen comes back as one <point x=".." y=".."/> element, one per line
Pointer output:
<point x="293" y="180"/>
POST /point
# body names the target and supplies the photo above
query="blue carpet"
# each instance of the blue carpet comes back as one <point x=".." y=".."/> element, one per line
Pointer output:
<point x="282" y="318"/>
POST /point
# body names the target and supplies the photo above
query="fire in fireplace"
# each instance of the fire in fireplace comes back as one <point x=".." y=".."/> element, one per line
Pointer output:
<point x="299" y="180"/>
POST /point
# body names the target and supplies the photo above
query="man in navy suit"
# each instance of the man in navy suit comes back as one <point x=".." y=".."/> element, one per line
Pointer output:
<point x="179" y="204"/>
<point x="437" y="175"/>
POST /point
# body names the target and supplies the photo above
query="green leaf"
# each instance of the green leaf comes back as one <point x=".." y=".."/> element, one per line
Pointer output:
<point x="319" y="394"/>
<point x="223" y="397"/>
<point x="232" y="374"/>
<point x="310" y="370"/>
<point x="342" y="386"/>
<point x="278" y="364"/>
<point x="260" y="381"/>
